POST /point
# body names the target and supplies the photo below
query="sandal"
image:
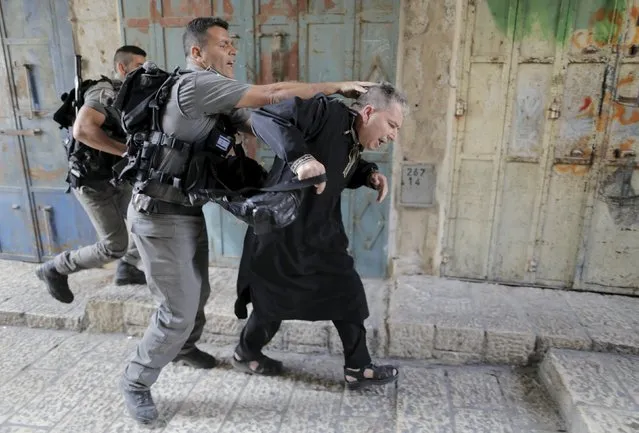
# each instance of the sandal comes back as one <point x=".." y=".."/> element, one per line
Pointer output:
<point x="357" y="378"/>
<point x="265" y="366"/>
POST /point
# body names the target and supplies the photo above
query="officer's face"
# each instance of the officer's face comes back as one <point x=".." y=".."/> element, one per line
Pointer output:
<point x="377" y="127"/>
<point x="219" y="52"/>
<point x="136" y="62"/>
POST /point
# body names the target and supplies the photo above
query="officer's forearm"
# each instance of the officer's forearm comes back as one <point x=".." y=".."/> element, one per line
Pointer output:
<point x="96" y="138"/>
<point x="286" y="90"/>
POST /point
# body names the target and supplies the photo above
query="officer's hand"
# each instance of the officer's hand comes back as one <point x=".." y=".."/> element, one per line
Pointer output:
<point x="352" y="89"/>
<point x="380" y="183"/>
<point x="311" y="169"/>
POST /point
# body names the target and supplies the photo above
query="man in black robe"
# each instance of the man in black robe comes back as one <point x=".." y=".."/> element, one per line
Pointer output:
<point x="304" y="271"/>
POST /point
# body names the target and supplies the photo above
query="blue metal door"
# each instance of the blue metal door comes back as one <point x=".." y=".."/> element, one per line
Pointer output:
<point x="309" y="40"/>
<point x="37" y="219"/>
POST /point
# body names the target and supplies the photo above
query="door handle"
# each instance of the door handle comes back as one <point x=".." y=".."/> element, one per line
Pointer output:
<point x="29" y="132"/>
<point x="48" y="227"/>
<point x="30" y="95"/>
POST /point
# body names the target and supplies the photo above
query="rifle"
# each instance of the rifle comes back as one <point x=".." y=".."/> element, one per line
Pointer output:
<point x="79" y="97"/>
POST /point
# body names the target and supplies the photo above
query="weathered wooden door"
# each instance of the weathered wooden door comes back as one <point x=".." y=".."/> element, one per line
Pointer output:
<point x="544" y="195"/>
<point x="37" y="218"/>
<point x="278" y="40"/>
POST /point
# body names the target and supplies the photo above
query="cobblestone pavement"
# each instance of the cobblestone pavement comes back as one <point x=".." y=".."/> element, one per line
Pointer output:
<point x="66" y="382"/>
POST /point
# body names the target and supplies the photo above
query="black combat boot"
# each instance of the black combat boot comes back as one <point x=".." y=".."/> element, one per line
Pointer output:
<point x="140" y="404"/>
<point x="128" y="274"/>
<point x="196" y="358"/>
<point x="57" y="284"/>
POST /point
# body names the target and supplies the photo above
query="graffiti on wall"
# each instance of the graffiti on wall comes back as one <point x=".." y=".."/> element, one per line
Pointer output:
<point x="596" y="23"/>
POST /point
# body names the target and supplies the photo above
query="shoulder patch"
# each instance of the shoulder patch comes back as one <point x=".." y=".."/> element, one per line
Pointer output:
<point x="107" y="96"/>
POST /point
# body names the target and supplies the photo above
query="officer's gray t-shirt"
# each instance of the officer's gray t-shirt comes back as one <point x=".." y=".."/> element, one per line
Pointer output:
<point x="101" y="95"/>
<point x="196" y="100"/>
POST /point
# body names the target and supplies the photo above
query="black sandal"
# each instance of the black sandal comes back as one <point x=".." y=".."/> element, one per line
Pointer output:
<point x="381" y="375"/>
<point x="265" y="366"/>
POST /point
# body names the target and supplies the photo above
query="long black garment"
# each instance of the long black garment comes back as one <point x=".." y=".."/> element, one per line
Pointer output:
<point x="304" y="271"/>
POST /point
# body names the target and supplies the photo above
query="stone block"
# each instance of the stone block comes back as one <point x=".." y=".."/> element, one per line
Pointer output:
<point x="306" y="333"/>
<point x="411" y="340"/>
<point x="457" y="358"/>
<point x="506" y="347"/>
<point x="458" y="338"/>
<point x="105" y="315"/>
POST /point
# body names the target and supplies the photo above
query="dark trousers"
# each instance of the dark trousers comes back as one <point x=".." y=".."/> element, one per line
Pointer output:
<point x="257" y="334"/>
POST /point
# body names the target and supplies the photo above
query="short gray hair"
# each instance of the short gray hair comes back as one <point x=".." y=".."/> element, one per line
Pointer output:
<point x="381" y="96"/>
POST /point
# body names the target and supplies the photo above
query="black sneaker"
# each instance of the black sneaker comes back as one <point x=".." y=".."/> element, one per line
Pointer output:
<point x="128" y="274"/>
<point x="57" y="284"/>
<point x="140" y="405"/>
<point x="197" y="359"/>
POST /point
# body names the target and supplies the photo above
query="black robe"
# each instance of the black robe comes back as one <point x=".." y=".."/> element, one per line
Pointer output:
<point x="303" y="271"/>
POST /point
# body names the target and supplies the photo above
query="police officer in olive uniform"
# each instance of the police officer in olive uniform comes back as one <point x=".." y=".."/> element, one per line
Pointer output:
<point x="169" y="231"/>
<point x="100" y="144"/>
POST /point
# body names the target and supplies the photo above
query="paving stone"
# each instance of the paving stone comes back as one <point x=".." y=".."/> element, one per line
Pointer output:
<point x="209" y="402"/>
<point x="304" y="414"/>
<point x="435" y="421"/>
<point x="24" y="387"/>
<point x="365" y="425"/>
<point x="21" y="347"/>
<point x="68" y="352"/>
<point x="21" y="429"/>
<point x="249" y="420"/>
<point x="374" y="402"/>
<point x="267" y="393"/>
<point x="530" y="404"/>
<point x="482" y="421"/>
<point x="475" y="388"/>
<point x="590" y="419"/>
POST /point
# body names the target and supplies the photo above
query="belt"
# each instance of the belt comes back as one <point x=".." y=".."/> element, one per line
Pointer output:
<point x="164" y="208"/>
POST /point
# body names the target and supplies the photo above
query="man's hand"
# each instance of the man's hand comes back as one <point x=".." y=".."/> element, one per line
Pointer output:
<point x="310" y="169"/>
<point x="380" y="183"/>
<point x="352" y="89"/>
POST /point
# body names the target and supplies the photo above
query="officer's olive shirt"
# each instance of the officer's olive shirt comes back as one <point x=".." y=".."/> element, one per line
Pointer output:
<point x="196" y="100"/>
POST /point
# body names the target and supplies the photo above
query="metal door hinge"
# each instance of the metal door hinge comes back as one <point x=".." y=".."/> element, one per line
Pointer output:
<point x="554" y="111"/>
<point x="460" y="108"/>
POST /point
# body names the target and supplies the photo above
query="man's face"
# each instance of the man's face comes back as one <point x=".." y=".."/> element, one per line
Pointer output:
<point x="136" y="62"/>
<point x="219" y="53"/>
<point x="379" y="126"/>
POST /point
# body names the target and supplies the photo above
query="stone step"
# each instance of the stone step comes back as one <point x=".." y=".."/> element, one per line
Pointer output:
<point x="596" y="392"/>
<point x="414" y="317"/>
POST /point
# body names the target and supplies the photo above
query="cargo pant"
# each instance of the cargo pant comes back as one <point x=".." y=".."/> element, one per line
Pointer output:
<point x="106" y="206"/>
<point x="174" y="251"/>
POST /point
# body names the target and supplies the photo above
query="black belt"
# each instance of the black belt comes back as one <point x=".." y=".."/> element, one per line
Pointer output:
<point x="164" y="208"/>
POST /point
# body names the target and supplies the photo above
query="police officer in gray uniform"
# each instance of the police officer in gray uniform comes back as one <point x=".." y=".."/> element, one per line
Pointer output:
<point x="97" y="150"/>
<point x="169" y="232"/>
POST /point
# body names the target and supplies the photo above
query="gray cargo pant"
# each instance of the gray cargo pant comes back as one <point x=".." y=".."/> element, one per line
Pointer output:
<point x="106" y="206"/>
<point x="175" y="254"/>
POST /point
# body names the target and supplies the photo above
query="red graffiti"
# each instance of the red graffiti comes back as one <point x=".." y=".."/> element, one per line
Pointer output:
<point x="587" y="103"/>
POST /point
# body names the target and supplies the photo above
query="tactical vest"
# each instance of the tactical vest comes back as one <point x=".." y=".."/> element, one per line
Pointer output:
<point x="86" y="164"/>
<point x="161" y="166"/>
